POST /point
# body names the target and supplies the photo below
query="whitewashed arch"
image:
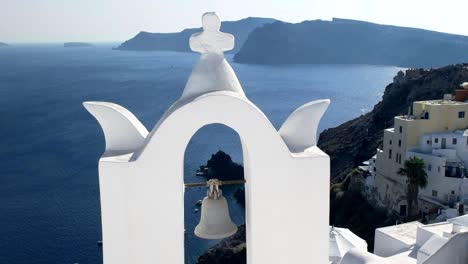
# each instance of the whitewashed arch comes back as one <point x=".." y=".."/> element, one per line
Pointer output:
<point x="155" y="174"/>
<point x="141" y="174"/>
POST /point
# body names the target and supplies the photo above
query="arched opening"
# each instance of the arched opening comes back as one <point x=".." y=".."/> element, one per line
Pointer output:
<point x="208" y="155"/>
<point x="147" y="186"/>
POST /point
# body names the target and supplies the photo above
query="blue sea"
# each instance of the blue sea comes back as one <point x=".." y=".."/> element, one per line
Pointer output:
<point x="50" y="146"/>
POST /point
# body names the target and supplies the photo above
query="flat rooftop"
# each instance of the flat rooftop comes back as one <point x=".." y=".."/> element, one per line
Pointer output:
<point x="405" y="233"/>
<point x="461" y="220"/>
<point x="440" y="102"/>
<point x="439" y="228"/>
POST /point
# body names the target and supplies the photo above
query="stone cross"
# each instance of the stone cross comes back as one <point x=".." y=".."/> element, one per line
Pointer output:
<point x="211" y="40"/>
<point x="212" y="72"/>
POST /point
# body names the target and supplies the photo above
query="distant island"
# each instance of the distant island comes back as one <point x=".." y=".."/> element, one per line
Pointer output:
<point x="343" y="41"/>
<point x="221" y="166"/>
<point x="77" y="45"/>
<point x="179" y="41"/>
<point x="3" y="44"/>
<point x="340" y="41"/>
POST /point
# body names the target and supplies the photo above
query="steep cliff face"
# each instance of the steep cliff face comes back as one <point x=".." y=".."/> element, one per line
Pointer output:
<point x="343" y="41"/>
<point x="357" y="140"/>
<point x="180" y="41"/>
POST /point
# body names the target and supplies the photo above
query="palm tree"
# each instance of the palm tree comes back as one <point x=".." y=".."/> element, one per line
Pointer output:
<point x="416" y="178"/>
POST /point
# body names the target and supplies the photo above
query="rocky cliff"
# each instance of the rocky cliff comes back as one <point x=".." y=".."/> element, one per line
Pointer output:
<point x="3" y="44"/>
<point x="357" y="140"/>
<point x="343" y="41"/>
<point x="180" y="41"/>
<point x="231" y="250"/>
<point x="220" y="166"/>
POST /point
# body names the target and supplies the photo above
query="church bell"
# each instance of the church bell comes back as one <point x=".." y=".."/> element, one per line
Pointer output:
<point x="215" y="221"/>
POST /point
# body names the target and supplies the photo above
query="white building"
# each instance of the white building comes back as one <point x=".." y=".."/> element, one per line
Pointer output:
<point x="415" y="243"/>
<point x="445" y="155"/>
<point x="433" y="130"/>
<point x="372" y="169"/>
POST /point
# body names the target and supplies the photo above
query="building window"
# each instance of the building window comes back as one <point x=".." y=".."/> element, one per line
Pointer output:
<point x="438" y="168"/>
<point x="390" y="142"/>
<point x="454" y="141"/>
<point x="396" y="158"/>
<point x="436" y="140"/>
<point x="429" y="142"/>
<point x="402" y="210"/>
<point x="389" y="153"/>
<point x="452" y="192"/>
<point x="453" y="172"/>
<point x="426" y="115"/>
<point x="401" y="129"/>
<point x="434" y="193"/>
<point x="399" y="142"/>
<point x="461" y="114"/>
<point x="429" y="167"/>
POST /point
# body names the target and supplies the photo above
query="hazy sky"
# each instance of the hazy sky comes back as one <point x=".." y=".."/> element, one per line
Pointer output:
<point x="117" y="20"/>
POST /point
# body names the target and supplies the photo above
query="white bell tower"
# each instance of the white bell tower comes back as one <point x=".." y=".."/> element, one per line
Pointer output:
<point x="141" y="173"/>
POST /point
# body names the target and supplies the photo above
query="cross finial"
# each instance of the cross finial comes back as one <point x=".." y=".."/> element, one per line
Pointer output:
<point x="212" y="72"/>
<point x="211" y="40"/>
<point x="211" y="22"/>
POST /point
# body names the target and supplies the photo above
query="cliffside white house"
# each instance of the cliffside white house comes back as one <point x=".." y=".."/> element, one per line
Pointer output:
<point x="445" y="168"/>
<point x="435" y="131"/>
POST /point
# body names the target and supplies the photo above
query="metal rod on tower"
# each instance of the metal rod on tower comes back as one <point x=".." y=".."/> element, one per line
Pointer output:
<point x="204" y="184"/>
